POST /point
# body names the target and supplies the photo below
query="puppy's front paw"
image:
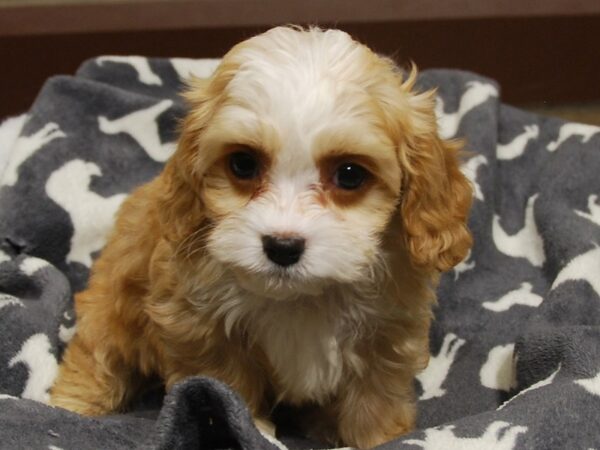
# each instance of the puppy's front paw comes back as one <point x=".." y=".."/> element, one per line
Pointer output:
<point x="372" y="438"/>
<point x="77" y="405"/>
<point x="367" y="429"/>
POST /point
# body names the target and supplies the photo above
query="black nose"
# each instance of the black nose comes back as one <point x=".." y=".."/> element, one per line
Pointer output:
<point x="284" y="251"/>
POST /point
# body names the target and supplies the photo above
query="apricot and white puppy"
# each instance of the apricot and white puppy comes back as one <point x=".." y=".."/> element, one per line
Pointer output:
<point x="290" y="247"/>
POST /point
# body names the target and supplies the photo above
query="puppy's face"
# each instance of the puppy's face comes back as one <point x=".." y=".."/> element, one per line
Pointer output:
<point x="298" y="149"/>
<point x="298" y="198"/>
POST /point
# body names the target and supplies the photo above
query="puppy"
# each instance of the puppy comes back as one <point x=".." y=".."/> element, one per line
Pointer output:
<point x="290" y="247"/>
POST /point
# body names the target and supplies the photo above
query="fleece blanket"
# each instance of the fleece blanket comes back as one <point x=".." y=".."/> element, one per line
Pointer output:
<point x="516" y="342"/>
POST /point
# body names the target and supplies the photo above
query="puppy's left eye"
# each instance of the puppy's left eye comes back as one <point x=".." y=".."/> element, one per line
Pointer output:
<point x="244" y="165"/>
<point x="350" y="176"/>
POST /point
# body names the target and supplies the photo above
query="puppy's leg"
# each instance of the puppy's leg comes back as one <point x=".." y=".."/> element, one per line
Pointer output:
<point x="375" y="411"/>
<point x="91" y="380"/>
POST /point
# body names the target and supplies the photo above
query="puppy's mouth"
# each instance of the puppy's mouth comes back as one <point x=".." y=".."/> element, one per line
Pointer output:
<point x="279" y="283"/>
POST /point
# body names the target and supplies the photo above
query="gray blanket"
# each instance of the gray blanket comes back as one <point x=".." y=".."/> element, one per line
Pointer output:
<point x="516" y="343"/>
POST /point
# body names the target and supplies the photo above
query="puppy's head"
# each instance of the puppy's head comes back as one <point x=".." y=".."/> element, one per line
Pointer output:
<point x="300" y="154"/>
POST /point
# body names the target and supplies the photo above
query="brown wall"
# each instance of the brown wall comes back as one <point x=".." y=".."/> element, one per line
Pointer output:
<point x="536" y="57"/>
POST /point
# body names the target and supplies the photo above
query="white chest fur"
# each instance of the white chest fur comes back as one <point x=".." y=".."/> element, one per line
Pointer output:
<point x="305" y="349"/>
<point x="310" y="342"/>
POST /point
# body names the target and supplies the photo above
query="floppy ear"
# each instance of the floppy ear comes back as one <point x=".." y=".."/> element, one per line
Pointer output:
<point x="436" y="195"/>
<point x="179" y="203"/>
<point x="435" y="207"/>
<point x="179" y="208"/>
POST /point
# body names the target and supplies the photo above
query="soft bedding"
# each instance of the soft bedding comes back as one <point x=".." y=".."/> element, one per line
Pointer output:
<point x="516" y="342"/>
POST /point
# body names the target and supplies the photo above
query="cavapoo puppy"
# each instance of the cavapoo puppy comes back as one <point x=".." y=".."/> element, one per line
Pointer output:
<point x="290" y="248"/>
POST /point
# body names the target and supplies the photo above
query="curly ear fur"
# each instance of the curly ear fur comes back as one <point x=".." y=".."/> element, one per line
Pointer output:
<point x="437" y="196"/>
<point x="435" y="206"/>
<point x="179" y="210"/>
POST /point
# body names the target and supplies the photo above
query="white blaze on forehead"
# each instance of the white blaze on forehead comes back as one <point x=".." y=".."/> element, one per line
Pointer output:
<point x="298" y="114"/>
<point x="295" y="94"/>
<point x="300" y="67"/>
<point x="294" y="167"/>
<point x="291" y="184"/>
<point x="299" y="82"/>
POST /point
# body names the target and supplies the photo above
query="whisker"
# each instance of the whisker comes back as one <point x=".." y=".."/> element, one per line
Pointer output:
<point x="193" y="243"/>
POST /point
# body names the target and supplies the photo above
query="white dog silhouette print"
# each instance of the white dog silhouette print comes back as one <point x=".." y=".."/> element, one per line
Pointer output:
<point x="521" y="296"/>
<point x="433" y="377"/>
<point x="526" y="243"/>
<point x="92" y="215"/>
<point x="41" y="364"/>
<point x="476" y="94"/>
<point x="516" y="147"/>
<point x="142" y="127"/>
<point x="499" y="435"/>
<point x="25" y="146"/>
<point x="139" y="64"/>
<point x="573" y="129"/>
<point x="498" y="371"/>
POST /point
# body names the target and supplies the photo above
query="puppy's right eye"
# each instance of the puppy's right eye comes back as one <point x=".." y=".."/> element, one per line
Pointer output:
<point x="244" y="165"/>
<point x="350" y="176"/>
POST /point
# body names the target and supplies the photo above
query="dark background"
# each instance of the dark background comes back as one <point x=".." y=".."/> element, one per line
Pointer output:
<point x="542" y="52"/>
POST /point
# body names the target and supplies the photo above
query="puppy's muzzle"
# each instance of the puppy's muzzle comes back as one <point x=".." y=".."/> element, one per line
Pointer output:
<point x="283" y="251"/>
